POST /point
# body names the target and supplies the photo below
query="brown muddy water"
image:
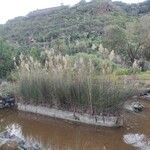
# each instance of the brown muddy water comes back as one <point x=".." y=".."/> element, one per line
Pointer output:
<point x="54" y="134"/>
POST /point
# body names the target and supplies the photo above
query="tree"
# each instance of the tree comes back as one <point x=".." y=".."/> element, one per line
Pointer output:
<point x="6" y="59"/>
<point x="82" y="2"/>
<point x="138" y="37"/>
<point x="145" y="36"/>
<point x="115" y="39"/>
<point x="134" y="44"/>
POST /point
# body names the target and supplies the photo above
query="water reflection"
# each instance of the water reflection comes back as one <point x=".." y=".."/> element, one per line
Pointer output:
<point x="56" y="135"/>
<point x="138" y="140"/>
<point x="15" y="129"/>
<point x="52" y="134"/>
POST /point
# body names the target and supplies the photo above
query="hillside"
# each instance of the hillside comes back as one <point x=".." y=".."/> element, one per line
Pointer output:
<point x="84" y="20"/>
<point x="81" y="21"/>
<point x="89" y="58"/>
<point x="135" y="9"/>
<point x="84" y="27"/>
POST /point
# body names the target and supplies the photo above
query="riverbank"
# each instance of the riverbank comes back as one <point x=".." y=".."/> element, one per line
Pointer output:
<point x="58" y="134"/>
<point x="107" y="121"/>
<point x="84" y="118"/>
<point x="102" y="117"/>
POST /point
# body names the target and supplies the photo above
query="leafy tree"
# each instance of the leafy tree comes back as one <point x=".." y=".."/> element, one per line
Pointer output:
<point x="6" y="59"/>
<point x="115" y="39"/>
<point x="35" y="53"/>
<point x="134" y="43"/>
<point x="145" y="36"/>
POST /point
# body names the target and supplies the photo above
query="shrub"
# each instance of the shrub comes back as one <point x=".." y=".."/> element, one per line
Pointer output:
<point x="6" y="59"/>
<point x="74" y="86"/>
<point x="125" y="71"/>
<point x="13" y="76"/>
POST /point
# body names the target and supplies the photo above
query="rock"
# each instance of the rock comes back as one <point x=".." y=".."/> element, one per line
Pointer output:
<point x="134" y="106"/>
<point x="10" y="141"/>
<point x="8" y="101"/>
<point x="137" y="106"/>
<point x="139" y="141"/>
<point x="145" y="93"/>
<point x="9" y="145"/>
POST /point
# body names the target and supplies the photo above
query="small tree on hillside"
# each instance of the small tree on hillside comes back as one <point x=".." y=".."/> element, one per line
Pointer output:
<point x="6" y="59"/>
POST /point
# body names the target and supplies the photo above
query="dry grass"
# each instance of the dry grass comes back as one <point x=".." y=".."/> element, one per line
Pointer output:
<point x="75" y="86"/>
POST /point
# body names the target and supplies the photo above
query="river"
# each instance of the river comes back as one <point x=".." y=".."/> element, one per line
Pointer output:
<point x="53" y="134"/>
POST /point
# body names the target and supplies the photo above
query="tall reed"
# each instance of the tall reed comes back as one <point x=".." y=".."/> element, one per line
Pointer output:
<point x="74" y="86"/>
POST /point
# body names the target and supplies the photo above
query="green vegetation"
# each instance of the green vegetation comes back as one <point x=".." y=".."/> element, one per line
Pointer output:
<point x="82" y="28"/>
<point x="125" y="71"/>
<point x="59" y="56"/>
<point x="71" y="84"/>
<point x="97" y="95"/>
<point x="6" y="59"/>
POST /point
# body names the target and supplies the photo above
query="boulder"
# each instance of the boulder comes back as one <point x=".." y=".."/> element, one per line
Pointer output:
<point x="137" y="106"/>
<point x="139" y="141"/>
<point x="134" y="106"/>
<point x="8" y="101"/>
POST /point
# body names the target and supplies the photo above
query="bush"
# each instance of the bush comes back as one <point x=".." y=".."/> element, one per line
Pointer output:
<point x="13" y="76"/>
<point x="71" y="84"/>
<point x="6" y="59"/>
<point x="100" y="65"/>
<point x="125" y="71"/>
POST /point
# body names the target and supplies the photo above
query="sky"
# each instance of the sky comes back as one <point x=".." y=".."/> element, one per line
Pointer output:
<point x="13" y="8"/>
